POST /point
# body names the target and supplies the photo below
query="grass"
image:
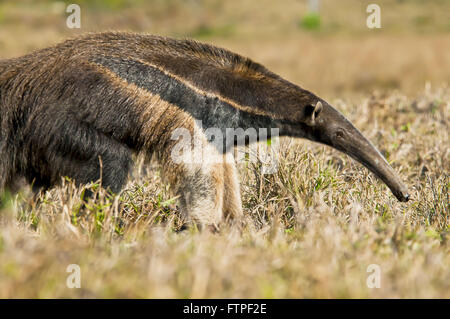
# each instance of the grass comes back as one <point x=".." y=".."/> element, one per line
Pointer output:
<point x="319" y="222"/>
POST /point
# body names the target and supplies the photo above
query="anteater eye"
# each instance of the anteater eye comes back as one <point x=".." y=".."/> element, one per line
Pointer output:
<point x="339" y="134"/>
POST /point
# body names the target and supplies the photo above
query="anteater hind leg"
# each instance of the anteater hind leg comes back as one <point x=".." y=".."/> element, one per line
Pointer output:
<point x="110" y="164"/>
<point x="83" y="154"/>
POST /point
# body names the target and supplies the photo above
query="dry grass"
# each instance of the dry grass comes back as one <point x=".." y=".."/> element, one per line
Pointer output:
<point x="319" y="221"/>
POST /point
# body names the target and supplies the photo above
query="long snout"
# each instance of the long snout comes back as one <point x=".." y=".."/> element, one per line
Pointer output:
<point x="353" y="143"/>
<point x="324" y="124"/>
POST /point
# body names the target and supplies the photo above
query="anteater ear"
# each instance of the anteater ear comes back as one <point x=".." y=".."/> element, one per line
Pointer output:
<point x="317" y="109"/>
<point x="313" y="113"/>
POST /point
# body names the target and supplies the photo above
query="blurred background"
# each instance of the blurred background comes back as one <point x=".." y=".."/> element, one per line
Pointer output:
<point x="324" y="47"/>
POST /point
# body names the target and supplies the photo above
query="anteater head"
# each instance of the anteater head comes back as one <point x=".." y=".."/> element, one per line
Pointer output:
<point x="318" y="121"/>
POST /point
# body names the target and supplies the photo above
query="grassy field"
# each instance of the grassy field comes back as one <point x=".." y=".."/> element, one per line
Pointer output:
<point x="318" y="223"/>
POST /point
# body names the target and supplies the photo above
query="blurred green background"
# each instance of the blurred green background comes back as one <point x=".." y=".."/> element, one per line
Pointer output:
<point x="330" y="52"/>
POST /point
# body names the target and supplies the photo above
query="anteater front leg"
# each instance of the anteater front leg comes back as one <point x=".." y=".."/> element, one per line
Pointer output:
<point x="232" y="197"/>
<point x="202" y="192"/>
<point x="209" y="191"/>
<point x="197" y="175"/>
